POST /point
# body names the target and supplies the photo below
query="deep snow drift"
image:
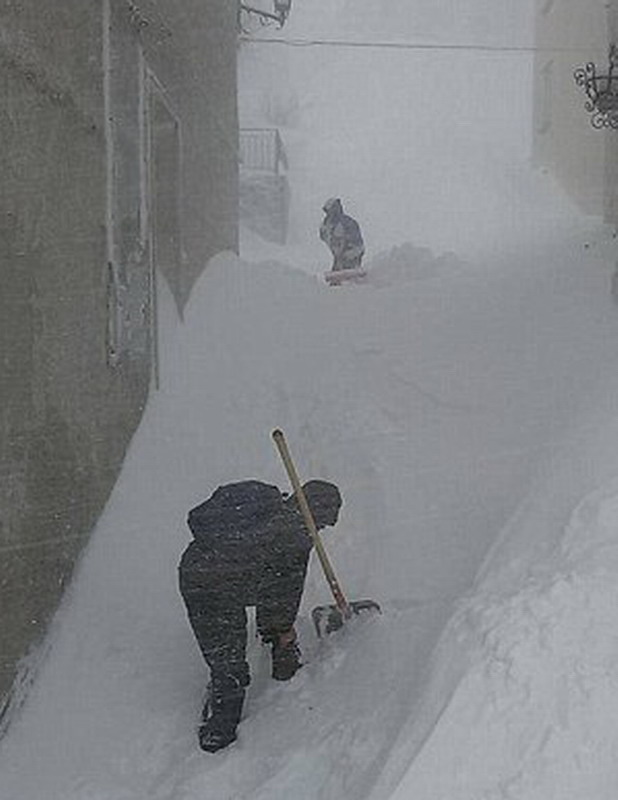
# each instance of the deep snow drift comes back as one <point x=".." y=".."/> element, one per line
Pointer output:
<point x="416" y="397"/>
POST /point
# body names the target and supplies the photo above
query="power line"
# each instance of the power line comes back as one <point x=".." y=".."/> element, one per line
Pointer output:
<point x="350" y="43"/>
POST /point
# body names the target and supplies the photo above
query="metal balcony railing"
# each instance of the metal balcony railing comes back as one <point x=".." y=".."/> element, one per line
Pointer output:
<point x="262" y="150"/>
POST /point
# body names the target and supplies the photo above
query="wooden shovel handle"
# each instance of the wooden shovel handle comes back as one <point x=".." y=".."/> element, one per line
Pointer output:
<point x="329" y="573"/>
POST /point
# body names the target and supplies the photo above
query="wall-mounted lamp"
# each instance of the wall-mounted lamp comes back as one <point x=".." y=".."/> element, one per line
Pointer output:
<point x="282" y="9"/>
<point x="280" y="13"/>
<point x="601" y="90"/>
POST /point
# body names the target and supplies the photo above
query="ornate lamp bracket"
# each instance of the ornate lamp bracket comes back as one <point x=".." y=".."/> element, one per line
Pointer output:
<point x="601" y="91"/>
<point x="279" y="15"/>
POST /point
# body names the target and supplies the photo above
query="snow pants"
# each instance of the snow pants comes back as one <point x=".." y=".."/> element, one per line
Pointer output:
<point x="349" y="259"/>
<point x="217" y="592"/>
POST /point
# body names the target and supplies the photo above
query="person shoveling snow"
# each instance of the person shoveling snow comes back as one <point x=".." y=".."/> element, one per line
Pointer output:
<point x="251" y="548"/>
<point x="342" y="234"/>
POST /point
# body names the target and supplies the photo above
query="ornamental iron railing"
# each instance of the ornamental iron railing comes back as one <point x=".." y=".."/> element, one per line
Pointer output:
<point x="601" y="90"/>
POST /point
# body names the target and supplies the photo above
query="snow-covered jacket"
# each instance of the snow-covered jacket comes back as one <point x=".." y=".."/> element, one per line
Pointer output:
<point x="264" y="556"/>
<point x="251" y="521"/>
<point x="342" y="234"/>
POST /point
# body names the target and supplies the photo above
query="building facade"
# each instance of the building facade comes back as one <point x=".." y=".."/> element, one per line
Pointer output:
<point x="118" y="169"/>
<point x="569" y="34"/>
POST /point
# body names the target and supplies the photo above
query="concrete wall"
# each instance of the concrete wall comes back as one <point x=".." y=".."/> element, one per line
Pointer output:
<point x="193" y="57"/>
<point x="570" y="33"/>
<point x="92" y="164"/>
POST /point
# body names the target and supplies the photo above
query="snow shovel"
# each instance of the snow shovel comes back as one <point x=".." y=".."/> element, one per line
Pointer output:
<point x="332" y="617"/>
<point x="339" y="276"/>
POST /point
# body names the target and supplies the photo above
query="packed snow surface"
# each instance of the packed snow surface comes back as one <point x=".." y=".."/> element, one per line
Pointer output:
<point x="428" y="402"/>
<point x="461" y="398"/>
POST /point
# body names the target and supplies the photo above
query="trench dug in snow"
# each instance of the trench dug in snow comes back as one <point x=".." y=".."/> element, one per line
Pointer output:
<point x="411" y="393"/>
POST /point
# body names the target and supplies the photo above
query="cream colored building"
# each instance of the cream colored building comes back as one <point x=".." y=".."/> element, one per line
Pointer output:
<point x="569" y="34"/>
<point x="118" y="169"/>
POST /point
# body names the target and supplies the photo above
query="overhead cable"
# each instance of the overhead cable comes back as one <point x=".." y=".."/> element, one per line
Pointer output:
<point x="394" y="45"/>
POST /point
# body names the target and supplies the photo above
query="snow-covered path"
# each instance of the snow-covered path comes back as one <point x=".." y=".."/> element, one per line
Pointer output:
<point x="415" y="397"/>
<point x="430" y="395"/>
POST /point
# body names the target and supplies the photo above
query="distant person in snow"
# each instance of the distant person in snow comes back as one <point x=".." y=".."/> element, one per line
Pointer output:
<point x="250" y="548"/>
<point x="343" y="236"/>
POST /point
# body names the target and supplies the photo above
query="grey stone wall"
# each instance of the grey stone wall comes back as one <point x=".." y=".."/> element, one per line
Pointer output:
<point x="67" y="407"/>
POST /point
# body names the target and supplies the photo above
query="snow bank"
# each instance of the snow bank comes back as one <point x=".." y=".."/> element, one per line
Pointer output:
<point x="408" y="262"/>
<point x="524" y="695"/>
<point x="422" y="400"/>
<point x="114" y="710"/>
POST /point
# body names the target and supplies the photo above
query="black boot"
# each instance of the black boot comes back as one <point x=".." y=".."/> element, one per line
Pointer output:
<point x="220" y="717"/>
<point x="285" y="657"/>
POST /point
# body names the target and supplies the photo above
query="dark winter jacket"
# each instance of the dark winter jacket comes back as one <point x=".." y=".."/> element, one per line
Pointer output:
<point x="265" y="527"/>
<point x="273" y="532"/>
<point x="253" y="553"/>
<point x="343" y="236"/>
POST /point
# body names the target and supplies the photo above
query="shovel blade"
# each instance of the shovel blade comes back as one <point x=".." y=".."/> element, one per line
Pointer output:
<point x="328" y="619"/>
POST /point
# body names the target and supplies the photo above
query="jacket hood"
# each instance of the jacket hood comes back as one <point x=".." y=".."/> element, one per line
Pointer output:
<point x="333" y="206"/>
<point x="324" y="500"/>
